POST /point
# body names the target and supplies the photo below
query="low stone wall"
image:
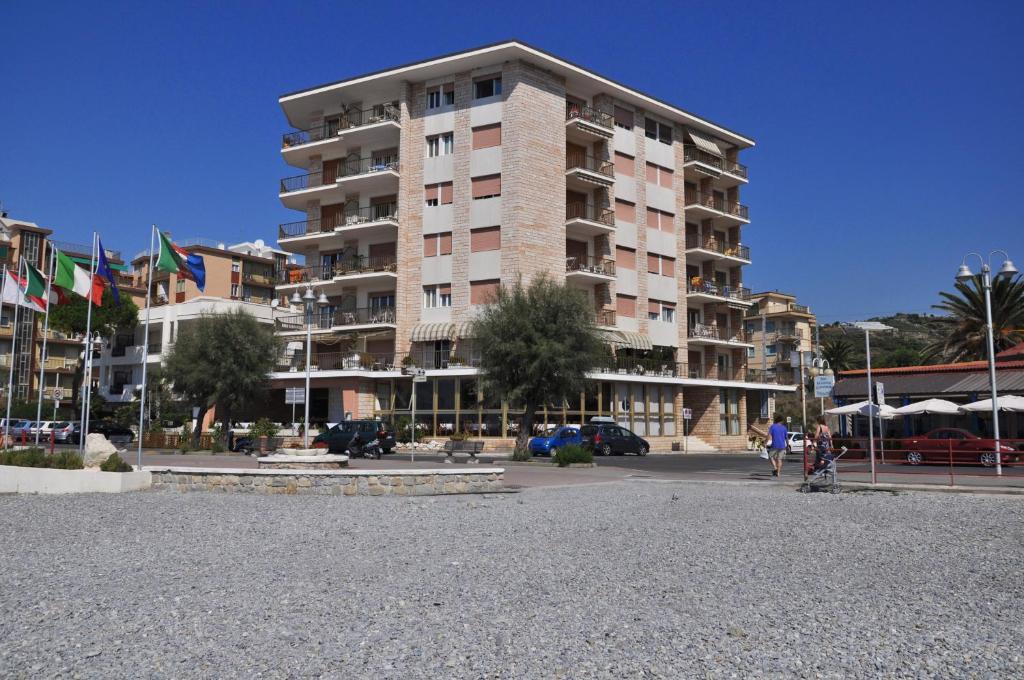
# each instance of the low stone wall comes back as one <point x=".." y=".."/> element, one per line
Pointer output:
<point x="407" y="482"/>
<point x="50" y="481"/>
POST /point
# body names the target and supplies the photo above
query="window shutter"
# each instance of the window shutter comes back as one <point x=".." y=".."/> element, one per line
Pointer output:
<point x="446" y="193"/>
<point x="625" y="211"/>
<point x="488" y="185"/>
<point x="445" y="243"/>
<point x="487" y="136"/>
<point x="429" y="192"/>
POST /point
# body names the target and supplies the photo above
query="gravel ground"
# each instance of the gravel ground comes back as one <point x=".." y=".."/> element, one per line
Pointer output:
<point x="605" y="581"/>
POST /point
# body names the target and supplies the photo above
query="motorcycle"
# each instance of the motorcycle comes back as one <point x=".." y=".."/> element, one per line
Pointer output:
<point x="370" y="449"/>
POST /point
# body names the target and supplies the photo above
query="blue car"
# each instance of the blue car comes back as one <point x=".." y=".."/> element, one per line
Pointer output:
<point x="561" y="436"/>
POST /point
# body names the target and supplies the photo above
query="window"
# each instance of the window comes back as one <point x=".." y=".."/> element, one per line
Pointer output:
<point x="448" y="94"/>
<point x="487" y="136"/>
<point x="769" y="325"/>
<point x="623" y="118"/>
<point x="487" y="87"/>
<point x="236" y="266"/>
<point x="660" y="264"/>
<point x="483" y="292"/>
<point x="750" y="352"/>
<point x="625" y="211"/>
<point x="625" y="164"/>
<point x="180" y="285"/>
<point x="437" y="296"/>
<point x="441" y="95"/>
<point x="434" y="98"/>
<point x="625" y="258"/>
<point x="659" y="131"/>
<point x="668" y="312"/>
<point x="379" y="301"/>
<point x="437" y="244"/>
<point x="770" y="350"/>
<point x="661" y="220"/>
<point x="659" y="176"/>
<point x="440" y="145"/>
<point x="487" y="238"/>
<point x="729" y="411"/>
<point x="653" y="310"/>
<point x="438" y="194"/>
<point x="487" y="186"/>
<point x="625" y="305"/>
<point x="234" y="290"/>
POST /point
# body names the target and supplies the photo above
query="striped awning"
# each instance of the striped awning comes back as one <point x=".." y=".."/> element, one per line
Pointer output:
<point x="464" y="329"/>
<point x="610" y="337"/>
<point x="431" y="332"/>
<point x="631" y="340"/>
<point x="704" y="143"/>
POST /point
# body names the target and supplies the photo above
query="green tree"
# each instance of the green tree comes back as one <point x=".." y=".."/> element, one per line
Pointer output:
<point x="107" y="319"/>
<point x="222" y="361"/>
<point x="967" y="341"/>
<point x="838" y="353"/>
<point x="537" y="344"/>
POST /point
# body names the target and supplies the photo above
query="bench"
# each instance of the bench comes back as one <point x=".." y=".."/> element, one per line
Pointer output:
<point x="462" y="446"/>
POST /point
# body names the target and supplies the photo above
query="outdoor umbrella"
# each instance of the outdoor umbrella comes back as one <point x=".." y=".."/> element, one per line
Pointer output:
<point x="863" y="408"/>
<point x="939" y="406"/>
<point x="1008" y="402"/>
<point x="848" y="410"/>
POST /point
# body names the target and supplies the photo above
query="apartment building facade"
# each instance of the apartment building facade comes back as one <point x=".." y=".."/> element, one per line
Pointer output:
<point x="240" y="276"/>
<point x="425" y="187"/>
<point x="777" y="327"/>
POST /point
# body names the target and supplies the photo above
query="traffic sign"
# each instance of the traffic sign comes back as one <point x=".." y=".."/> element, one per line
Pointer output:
<point x="58" y="394"/>
<point x="687" y="414"/>
<point x="294" y="395"/>
<point x="880" y="393"/>
<point x="419" y="375"/>
<point x="823" y="385"/>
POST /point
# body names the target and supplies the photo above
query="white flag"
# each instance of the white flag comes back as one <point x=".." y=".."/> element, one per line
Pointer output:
<point x="13" y="295"/>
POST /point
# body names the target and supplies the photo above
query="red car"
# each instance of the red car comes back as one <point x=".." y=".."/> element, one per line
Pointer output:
<point x="934" y="447"/>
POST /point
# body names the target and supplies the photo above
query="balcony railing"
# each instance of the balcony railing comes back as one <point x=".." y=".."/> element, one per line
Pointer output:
<point x="711" y="332"/>
<point x="351" y="218"/>
<point x="430" y="358"/>
<point x="717" y="203"/>
<point x="626" y="365"/>
<point x="604" y="317"/>
<point x="335" y="124"/>
<point x="695" y="155"/>
<point x="324" y="320"/>
<point x="340" y="361"/>
<point x="60" y="364"/>
<point x="580" y="161"/>
<point x="591" y="115"/>
<point x="355" y="265"/>
<point x="348" y="168"/>
<point x="83" y="250"/>
<point x="264" y="278"/>
<point x="588" y="211"/>
<point x="803" y="309"/>
<point x="590" y="265"/>
<point x="697" y="286"/>
<point x="713" y="244"/>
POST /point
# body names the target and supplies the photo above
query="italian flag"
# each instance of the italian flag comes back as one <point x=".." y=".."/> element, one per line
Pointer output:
<point x="15" y="293"/>
<point x="34" y="286"/>
<point x="172" y="258"/>
<point x="70" y="276"/>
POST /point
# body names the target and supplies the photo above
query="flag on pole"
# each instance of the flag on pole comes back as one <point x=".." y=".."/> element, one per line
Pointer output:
<point x="34" y="286"/>
<point x="14" y="295"/>
<point x="104" y="270"/>
<point x="72" y="277"/>
<point x="176" y="260"/>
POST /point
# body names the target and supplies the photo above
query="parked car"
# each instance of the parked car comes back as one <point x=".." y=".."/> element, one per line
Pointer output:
<point x="112" y="431"/>
<point x="795" y="441"/>
<point x="967" y="447"/>
<point x="609" y="438"/>
<point x="43" y="427"/>
<point x="337" y="438"/>
<point x="22" y="427"/>
<point x="548" y="444"/>
<point x="61" y="430"/>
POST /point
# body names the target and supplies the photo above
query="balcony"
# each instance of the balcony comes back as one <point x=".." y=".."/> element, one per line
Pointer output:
<point x="66" y="364"/>
<point x="708" y="291"/>
<point x="370" y="127"/>
<point x="432" y="359"/>
<point x="265" y="279"/>
<point x="698" y="163"/>
<point x="589" y="269"/>
<point x="586" y="124"/>
<point x="703" y="249"/>
<point x="587" y="219"/>
<point x="584" y="172"/>
<point x="706" y="205"/>
<point x="347" y="223"/>
<point x="349" y="319"/>
<point x="359" y="267"/>
<point x="604" y="318"/>
<point x="83" y="250"/>
<point x="702" y="334"/>
<point x="371" y="175"/>
<point x="340" y="361"/>
<point x="627" y="365"/>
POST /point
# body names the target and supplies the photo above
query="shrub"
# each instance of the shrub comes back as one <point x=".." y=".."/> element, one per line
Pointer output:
<point x="185" y="445"/>
<point x="573" y="453"/>
<point x="37" y="458"/>
<point x="115" y="464"/>
<point x="459" y="436"/>
<point x="263" y="428"/>
<point x="68" y="460"/>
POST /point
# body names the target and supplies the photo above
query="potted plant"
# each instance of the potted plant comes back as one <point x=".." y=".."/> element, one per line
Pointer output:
<point x="262" y="431"/>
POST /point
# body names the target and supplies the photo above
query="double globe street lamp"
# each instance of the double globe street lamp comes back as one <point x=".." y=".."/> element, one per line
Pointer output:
<point x="1008" y="270"/>
<point x="310" y="302"/>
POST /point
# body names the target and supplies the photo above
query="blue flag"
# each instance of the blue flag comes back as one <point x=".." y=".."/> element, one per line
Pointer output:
<point x="103" y="269"/>
<point x="197" y="268"/>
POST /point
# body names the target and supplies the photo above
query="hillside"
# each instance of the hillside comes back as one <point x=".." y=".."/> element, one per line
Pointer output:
<point x="901" y="347"/>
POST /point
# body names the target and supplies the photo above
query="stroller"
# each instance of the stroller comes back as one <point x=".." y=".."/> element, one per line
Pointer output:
<point x="822" y="473"/>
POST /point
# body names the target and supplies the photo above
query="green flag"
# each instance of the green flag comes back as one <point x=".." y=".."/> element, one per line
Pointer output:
<point x="70" y="276"/>
<point x="35" y="285"/>
<point x="170" y="259"/>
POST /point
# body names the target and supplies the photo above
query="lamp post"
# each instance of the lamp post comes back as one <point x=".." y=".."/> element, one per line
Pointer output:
<point x="867" y="327"/>
<point x="965" y="274"/>
<point x="309" y="301"/>
<point x="820" y="366"/>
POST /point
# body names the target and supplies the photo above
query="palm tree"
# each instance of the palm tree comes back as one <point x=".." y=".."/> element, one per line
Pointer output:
<point x="967" y="341"/>
<point x="838" y="353"/>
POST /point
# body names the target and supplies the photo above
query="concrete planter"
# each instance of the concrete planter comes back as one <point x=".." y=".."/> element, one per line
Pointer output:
<point x="48" y="481"/>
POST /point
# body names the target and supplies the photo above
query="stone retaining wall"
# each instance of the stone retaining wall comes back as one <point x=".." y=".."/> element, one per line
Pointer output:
<point x="411" y="482"/>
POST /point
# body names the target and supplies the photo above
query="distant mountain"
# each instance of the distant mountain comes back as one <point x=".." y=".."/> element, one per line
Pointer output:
<point x="900" y="347"/>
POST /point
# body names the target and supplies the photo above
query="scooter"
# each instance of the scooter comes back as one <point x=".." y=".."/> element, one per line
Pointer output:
<point x="370" y="449"/>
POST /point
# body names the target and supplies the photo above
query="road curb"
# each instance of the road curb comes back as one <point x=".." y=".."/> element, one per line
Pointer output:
<point x="847" y="486"/>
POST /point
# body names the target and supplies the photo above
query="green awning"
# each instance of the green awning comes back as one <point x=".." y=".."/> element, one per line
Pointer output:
<point x="88" y="263"/>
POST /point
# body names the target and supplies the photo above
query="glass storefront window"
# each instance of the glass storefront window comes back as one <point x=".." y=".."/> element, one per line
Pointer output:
<point x="425" y="395"/>
<point x="403" y="395"/>
<point x="445" y="394"/>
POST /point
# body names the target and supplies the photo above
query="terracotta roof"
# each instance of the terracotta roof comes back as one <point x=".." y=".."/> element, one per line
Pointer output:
<point x="965" y="366"/>
<point x="1016" y="350"/>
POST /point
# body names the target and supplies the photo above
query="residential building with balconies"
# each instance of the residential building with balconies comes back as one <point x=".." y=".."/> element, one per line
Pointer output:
<point x="423" y="188"/>
<point x="777" y="327"/>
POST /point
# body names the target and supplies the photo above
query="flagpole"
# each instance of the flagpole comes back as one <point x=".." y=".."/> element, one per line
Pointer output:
<point x="3" y="286"/>
<point x="42" y="359"/>
<point x="10" y="374"/>
<point x="87" y="382"/>
<point x="145" y="342"/>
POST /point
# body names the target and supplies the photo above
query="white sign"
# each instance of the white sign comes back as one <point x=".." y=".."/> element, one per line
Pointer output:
<point x="789" y="419"/>
<point x="880" y="393"/>
<point x="823" y="385"/>
<point x="687" y="414"/>
<point x="58" y="394"/>
<point x="419" y="376"/>
<point x="294" y="395"/>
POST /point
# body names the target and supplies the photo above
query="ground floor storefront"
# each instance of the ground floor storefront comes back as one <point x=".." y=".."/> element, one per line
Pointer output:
<point x="451" y="402"/>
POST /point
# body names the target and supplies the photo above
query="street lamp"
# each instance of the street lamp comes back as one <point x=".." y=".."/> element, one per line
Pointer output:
<point x="867" y="327"/>
<point x="92" y="343"/>
<point x="1006" y="271"/>
<point x="309" y="301"/>
<point x="820" y="366"/>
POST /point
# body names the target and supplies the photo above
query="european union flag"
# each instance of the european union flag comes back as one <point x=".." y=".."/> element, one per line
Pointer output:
<point x="103" y="269"/>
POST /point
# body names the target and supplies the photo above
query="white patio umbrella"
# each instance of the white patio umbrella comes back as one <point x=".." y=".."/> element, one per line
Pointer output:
<point x="938" y="406"/>
<point x="1009" y="402"/>
<point x="848" y="410"/>
<point x="864" y="408"/>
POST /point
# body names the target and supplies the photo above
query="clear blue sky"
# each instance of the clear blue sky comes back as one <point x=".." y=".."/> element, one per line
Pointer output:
<point x="889" y="134"/>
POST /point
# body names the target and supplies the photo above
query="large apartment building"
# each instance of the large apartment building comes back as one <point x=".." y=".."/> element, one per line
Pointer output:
<point x="424" y="187"/>
<point x="777" y="327"/>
